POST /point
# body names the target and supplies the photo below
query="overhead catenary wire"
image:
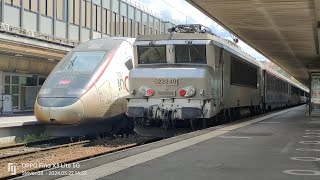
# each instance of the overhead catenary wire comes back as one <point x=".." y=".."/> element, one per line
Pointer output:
<point x="187" y="17"/>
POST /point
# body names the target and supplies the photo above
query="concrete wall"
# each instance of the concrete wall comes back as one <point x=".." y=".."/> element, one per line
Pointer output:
<point x="22" y="64"/>
<point x="12" y="134"/>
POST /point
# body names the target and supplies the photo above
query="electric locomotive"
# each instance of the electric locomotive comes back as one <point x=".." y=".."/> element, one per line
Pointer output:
<point x="191" y="78"/>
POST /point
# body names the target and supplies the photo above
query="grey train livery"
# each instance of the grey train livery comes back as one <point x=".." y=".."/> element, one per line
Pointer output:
<point x="191" y="78"/>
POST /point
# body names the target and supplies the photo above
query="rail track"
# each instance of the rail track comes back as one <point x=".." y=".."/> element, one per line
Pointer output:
<point x="30" y="147"/>
<point x="78" y="151"/>
<point x="28" y="152"/>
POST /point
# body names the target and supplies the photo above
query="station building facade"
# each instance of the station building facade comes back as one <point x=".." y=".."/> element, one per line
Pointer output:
<point x="35" y="34"/>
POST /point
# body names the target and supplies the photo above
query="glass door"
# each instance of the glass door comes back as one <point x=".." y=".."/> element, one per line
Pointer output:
<point x="28" y="92"/>
<point x="23" y="89"/>
<point x="11" y="86"/>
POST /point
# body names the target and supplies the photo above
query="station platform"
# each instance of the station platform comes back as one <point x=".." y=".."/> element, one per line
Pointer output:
<point x="17" y="120"/>
<point x="279" y="145"/>
<point x="17" y="126"/>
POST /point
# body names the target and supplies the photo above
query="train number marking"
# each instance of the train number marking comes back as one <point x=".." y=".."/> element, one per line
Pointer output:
<point x="166" y="81"/>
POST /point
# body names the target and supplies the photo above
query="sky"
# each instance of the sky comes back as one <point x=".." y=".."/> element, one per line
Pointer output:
<point x="183" y="12"/>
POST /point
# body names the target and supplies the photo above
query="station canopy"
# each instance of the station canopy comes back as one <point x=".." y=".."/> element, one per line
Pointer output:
<point x="284" y="31"/>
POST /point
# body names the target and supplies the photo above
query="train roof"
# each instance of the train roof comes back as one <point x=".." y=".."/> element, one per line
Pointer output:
<point x="206" y="38"/>
<point x="175" y="36"/>
<point x="102" y="44"/>
<point x="223" y="43"/>
<point x="281" y="76"/>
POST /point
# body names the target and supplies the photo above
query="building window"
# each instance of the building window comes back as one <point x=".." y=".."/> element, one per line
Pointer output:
<point x="61" y="9"/>
<point x="106" y="4"/>
<point x="107" y="19"/>
<point x="41" y="81"/>
<point x="115" y="24"/>
<point x="98" y="2"/>
<point x="124" y="26"/>
<point x="47" y="8"/>
<point x="115" y="6"/>
<point x="162" y="27"/>
<point x="130" y="28"/>
<point x="96" y="18"/>
<point x="86" y="12"/>
<point x="151" y="20"/>
<point x="88" y="15"/>
<point x="31" y="5"/>
<point x="74" y="6"/>
<point x="157" y="25"/>
<point x="94" y="14"/>
<point x="145" y="23"/>
<point x="144" y="30"/>
<point x="137" y="29"/>
<point x="99" y="19"/>
<point x="13" y="2"/>
<point x="131" y="12"/>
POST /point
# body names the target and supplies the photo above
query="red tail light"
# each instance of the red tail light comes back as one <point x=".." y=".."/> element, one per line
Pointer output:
<point x="182" y="92"/>
<point x="150" y="92"/>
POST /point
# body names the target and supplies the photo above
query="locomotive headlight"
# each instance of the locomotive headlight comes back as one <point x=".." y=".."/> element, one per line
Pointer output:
<point x="77" y="91"/>
<point x="146" y="91"/>
<point x="187" y="91"/>
<point x="44" y="91"/>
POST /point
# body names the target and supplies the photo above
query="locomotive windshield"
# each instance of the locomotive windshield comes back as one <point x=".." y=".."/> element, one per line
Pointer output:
<point x="190" y="54"/>
<point x="151" y="54"/>
<point x="85" y="62"/>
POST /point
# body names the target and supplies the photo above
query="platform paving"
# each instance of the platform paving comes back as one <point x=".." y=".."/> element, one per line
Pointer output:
<point x="18" y="126"/>
<point x="17" y="120"/>
<point x="283" y="147"/>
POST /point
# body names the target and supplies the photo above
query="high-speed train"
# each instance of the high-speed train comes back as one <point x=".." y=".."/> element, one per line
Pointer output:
<point x="192" y="78"/>
<point x="84" y="93"/>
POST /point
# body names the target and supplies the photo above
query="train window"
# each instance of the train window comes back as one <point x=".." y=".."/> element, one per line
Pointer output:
<point x="243" y="74"/>
<point x="190" y="54"/>
<point x="151" y="54"/>
<point x="82" y="61"/>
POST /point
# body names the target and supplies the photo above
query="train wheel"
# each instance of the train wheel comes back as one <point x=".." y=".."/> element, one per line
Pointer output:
<point x="237" y="114"/>
<point x="192" y="124"/>
<point x="214" y="121"/>
<point x="221" y="118"/>
<point x="127" y="125"/>
<point x="232" y="115"/>
<point x="228" y="116"/>
<point x="195" y="124"/>
<point x="204" y="123"/>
